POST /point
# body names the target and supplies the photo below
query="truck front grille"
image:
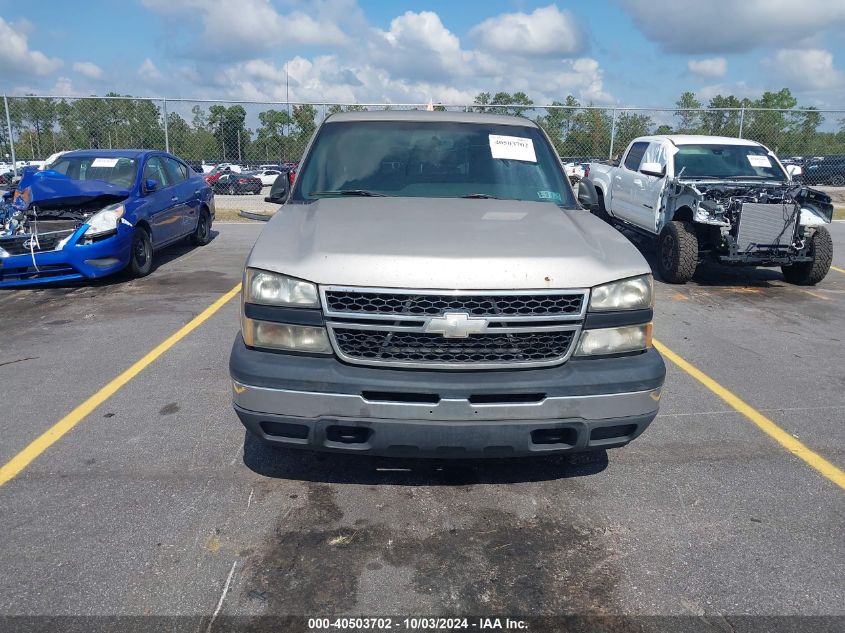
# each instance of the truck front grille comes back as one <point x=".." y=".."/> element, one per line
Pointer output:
<point x="406" y="347"/>
<point x="413" y="328"/>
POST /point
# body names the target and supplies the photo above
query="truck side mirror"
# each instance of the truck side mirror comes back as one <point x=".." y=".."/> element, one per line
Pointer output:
<point x="280" y="190"/>
<point x="587" y="196"/>
<point x="653" y="169"/>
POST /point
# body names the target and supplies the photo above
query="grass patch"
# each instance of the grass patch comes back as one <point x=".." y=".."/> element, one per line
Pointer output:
<point x="231" y="215"/>
<point x="839" y="212"/>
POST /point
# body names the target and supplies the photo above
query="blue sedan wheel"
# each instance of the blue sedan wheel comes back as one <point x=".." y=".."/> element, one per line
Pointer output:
<point x="141" y="255"/>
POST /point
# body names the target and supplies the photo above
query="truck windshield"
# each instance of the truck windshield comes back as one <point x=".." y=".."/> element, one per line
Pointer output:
<point x="432" y="159"/>
<point x="727" y="161"/>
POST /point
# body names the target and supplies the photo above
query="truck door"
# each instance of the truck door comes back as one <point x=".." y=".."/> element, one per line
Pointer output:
<point x="647" y="189"/>
<point x="626" y="184"/>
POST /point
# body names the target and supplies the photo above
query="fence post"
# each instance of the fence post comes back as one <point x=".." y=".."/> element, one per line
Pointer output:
<point x="11" y="140"/>
<point x="741" y="120"/>
<point x="612" y="135"/>
<point x="166" y="136"/>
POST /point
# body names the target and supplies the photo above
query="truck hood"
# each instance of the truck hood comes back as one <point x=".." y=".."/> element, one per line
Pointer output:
<point x="445" y="243"/>
<point x="50" y="189"/>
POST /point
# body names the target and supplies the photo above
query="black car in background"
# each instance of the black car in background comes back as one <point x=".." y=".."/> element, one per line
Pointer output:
<point x="827" y="171"/>
<point x="234" y="184"/>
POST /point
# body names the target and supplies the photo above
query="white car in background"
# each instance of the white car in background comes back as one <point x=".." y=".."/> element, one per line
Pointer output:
<point x="574" y="170"/>
<point x="267" y="176"/>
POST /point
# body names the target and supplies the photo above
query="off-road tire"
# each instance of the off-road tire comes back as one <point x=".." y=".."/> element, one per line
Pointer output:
<point x="141" y="253"/>
<point x="811" y="273"/>
<point x="202" y="235"/>
<point x="677" y="252"/>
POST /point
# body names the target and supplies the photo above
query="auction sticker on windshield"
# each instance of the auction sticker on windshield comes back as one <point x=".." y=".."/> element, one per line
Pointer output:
<point x="759" y="161"/>
<point x="104" y="162"/>
<point x="512" y="148"/>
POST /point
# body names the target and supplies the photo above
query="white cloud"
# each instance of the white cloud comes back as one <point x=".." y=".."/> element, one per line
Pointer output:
<point x="718" y="26"/>
<point x="713" y="67"/>
<point x="149" y="71"/>
<point x="739" y="89"/>
<point x="546" y="31"/>
<point x="252" y="27"/>
<point x="88" y="69"/>
<point x="806" y="69"/>
<point x="417" y="45"/>
<point x="16" y="58"/>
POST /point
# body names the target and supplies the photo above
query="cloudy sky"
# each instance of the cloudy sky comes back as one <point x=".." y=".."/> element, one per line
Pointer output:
<point x="625" y="52"/>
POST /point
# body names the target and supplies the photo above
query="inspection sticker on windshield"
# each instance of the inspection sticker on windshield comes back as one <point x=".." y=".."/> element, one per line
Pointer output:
<point x="549" y="195"/>
<point x="512" y="147"/>
<point x="759" y="161"/>
<point x="104" y="162"/>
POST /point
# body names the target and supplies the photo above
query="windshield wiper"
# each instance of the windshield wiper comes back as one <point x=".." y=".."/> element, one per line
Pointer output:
<point x="480" y="196"/>
<point x="348" y="192"/>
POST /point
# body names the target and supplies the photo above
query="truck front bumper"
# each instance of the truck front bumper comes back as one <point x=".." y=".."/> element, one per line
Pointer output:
<point x="322" y="404"/>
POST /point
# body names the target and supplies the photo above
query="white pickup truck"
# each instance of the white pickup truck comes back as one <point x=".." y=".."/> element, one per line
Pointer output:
<point x="724" y="198"/>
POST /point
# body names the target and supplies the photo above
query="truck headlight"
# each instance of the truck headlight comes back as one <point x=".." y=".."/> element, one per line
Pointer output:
<point x="104" y="221"/>
<point x="615" y="340"/>
<point x="283" y="336"/>
<point x="274" y="289"/>
<point x="636" y="293"/>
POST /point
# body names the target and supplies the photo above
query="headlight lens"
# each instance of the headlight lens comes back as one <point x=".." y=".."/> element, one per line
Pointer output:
<point x="636" y="293"/>
<point x="105" y="221"/>
<point x="292" y="338"/>
<point x="615" y="340"/>
<point x="278" y="290"/>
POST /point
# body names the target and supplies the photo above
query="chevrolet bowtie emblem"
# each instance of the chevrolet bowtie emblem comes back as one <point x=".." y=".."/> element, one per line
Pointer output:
<point x="455" y="325"/>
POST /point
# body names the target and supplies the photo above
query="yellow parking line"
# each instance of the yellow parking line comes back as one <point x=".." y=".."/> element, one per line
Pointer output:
<point x="837" y="269"/>
<point x="771" y="429"/>
<point x="44" y="441"/>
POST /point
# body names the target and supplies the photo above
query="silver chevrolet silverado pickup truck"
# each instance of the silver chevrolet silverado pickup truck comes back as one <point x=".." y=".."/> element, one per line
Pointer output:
<point x="432" y="287"/>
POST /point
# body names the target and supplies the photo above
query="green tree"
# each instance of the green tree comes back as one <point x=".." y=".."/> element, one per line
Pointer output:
<point x="558" y="121"/>
<point x="689" y="121"/>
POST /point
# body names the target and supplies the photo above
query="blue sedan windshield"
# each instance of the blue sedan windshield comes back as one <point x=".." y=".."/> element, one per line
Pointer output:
<point x="116" y="171"/>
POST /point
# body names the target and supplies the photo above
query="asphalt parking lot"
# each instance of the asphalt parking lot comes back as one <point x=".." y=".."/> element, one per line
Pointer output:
<point x="155" y="502"/>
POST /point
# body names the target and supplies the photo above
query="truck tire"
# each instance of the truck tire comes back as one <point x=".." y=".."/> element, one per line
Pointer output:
<point x="811" y="273"/>
<point x="600" y="211"/>
<point x="677" y="252"/>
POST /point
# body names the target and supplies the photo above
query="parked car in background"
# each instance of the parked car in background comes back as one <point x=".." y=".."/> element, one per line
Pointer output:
<point x="97" y="212"/>
<point x="267" y="176"/>
<point x="827" y="171"/>
<point x="268" y="166"/>
<point x="234" y="184"/>
<point x="726" y="199"/>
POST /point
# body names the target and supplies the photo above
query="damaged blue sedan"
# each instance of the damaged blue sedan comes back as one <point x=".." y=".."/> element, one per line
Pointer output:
<point x="93" y="213"/>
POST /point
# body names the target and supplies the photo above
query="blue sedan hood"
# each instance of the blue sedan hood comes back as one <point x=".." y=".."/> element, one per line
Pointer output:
<point x="50" y="189"/>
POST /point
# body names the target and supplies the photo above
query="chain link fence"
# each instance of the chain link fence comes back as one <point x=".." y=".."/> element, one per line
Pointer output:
<point x="251" y="134"/>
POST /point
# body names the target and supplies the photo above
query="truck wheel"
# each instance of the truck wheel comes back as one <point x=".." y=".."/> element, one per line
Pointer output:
<point x="202" y="235"/>
<point x="141" y="254"/>
<point x="677" y="252"/>
<point x="838" y="180"/>
<point x="812" y="272"/>
<point x="600" y="211"/>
